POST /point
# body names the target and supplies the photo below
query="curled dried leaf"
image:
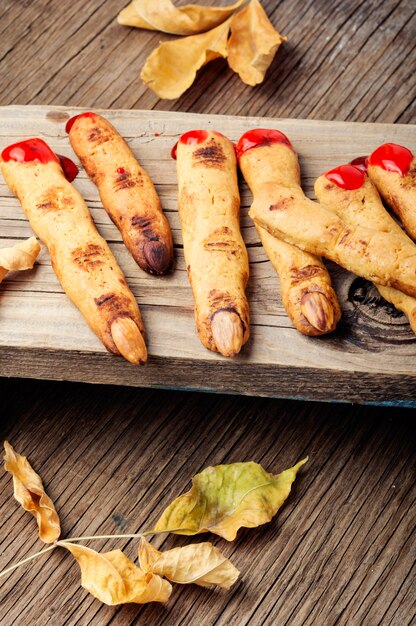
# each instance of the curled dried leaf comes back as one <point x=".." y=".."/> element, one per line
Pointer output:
<point x="162" y="15"/>
<point x="200" y="563"/>
<point x="253" y="43"/>
<point x="30" y="493"/>
<point x="21" y="256"/>
<point x="113" y="579"/>
<point x="171" y="69"/>
<point x="225" y="498"/>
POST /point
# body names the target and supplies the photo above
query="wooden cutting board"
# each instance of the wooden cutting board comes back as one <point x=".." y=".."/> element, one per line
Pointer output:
<point x="370" y="358"/>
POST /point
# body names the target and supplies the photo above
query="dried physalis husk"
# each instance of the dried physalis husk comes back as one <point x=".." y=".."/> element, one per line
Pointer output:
<point x="199" y="563"/>
<point x="112" y="578"/>
<point x="171" y="69"/>
<point x="162" y="15"/>
<point x="253" y="43"/>
<point x="21" y="256"/>
<point x="30" y="493"/>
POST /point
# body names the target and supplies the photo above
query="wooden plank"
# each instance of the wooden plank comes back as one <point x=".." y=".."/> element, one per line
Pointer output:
<point x="370" y="357"/>
<point x="338" y="552"/>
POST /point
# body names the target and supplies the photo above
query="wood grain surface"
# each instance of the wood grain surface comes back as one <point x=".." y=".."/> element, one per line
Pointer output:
<point x="341" y="551"/>
<point x="369" y="358"/>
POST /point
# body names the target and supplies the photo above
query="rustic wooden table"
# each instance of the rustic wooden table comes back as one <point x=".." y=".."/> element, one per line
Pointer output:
<point x="340" y="552"/>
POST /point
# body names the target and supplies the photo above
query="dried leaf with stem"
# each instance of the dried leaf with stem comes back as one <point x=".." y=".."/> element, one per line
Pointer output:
<point x="163" y="16"/>
<point x="253" y="43"/>
<point x="30" y="493"/>
<point x="171" y="69"/>
<point x="225" y="498"/>
<point x="112" y="578"/>
<point x="200" y="563"/>
<point x="21" y="256"/>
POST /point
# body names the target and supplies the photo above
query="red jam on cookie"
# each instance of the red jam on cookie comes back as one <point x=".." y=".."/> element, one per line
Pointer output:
<point x="360" y="162"/>
<point x="72" y="120"/>
<point x="392" y="158"/>
<point x="189" y="138"/>
<point x="29" y="150"/>
<point x="69" y="168"/>
<point x="346" y="177"/>
<point x="37" y="151"/>
<point x="260" y="137"/>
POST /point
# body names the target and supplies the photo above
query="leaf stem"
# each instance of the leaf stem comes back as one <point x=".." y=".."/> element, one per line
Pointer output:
<point x="77" y="539"/>
<point x="92" y="537"/>
<point x="26" y="560"/>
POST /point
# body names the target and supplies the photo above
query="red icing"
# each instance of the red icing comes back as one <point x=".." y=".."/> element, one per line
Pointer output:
<point x="157" y="134"/>
<point x="194" y="136"/>
<point x="72" y="120"/>
<point x="69" y="168"/>
<point x="29" y="150"/>
<point x="360" y="162"/>
<point x="121" y="170"/>
<point x="392" y="158"/>
<point x="346" y="177"/>
<point x="260" y="137"/>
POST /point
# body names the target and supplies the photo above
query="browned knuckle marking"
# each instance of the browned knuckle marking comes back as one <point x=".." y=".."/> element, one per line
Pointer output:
<point x="223" y="298"/>
<point x="55" y="200"/>
<point x="282" y="205"/>
<point x="88" y="258"/>
<point x="126" y="181"/>
<point x="144" y="224"/>
<point x="211" y="155"/>
<point x="306" y="273"/>
<point x="98" y="136"/>
<point x="220" y="240"/>
<point x="113" y="306"/>
<point x="139" y="221"/>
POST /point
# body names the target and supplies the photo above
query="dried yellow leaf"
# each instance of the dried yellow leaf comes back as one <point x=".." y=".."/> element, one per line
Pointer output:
<point x="171" y="69"/>
<point x="30" y="493"/>
<point x="200" y="563"/>
<point x="162" y="15"/>
<point x="253" y="43"/>
<point x="225" y="498"/>
<point x="21" y="256"/>
<point x="112" y="578"/>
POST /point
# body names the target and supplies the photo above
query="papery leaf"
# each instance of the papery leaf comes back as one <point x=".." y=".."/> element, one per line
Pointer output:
<point x="21" y="256"/>
<point x="112" y="578"/>
<point x="30" y="493"/>
<point x="253" y="43"/>
<point x="171" y="69"/>
<point x="225" y="498"/>
<point x="200" y="563"/>
<point x="162" y="15"/>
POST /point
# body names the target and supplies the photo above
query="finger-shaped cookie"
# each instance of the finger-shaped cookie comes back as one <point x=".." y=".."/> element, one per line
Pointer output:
<point x="215" y="254"/>
<point x="380" y="257"/>
<point x="80" y="257"/>
<point x="354" y="198"/>
<point x="127" y="193"/>
<point x="392" y="168"/>
<point x="267" y="156"/>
